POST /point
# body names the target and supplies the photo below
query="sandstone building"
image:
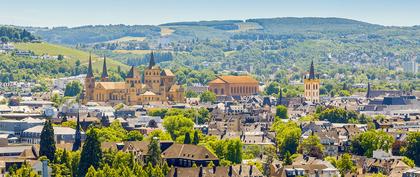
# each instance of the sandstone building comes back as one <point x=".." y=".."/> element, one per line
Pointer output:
<point x="234" y="86"/>
<point x="311" y="85"/>
<point x="155" y="85"/>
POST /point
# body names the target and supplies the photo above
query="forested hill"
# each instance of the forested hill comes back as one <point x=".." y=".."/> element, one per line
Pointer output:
<point x="11" y="34"/>
<point x="223" y="29"/>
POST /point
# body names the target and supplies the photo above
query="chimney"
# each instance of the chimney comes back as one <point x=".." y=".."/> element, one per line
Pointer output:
<point x="230" y="171"/>
<point x="200" y="174"/>
<point x="176" y="172"/>
<point x="250" y="170"/>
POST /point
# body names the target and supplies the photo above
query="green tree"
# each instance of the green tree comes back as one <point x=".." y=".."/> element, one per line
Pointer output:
<point x="408" y="161"/>
<point x="187" y="138"/>
<point x="73" y="88"/>
<point x="273" y="88"/>
<point x="312" y="146"/>
<point x="196" y="139"/>
<point x="191" y="94"/>
<point x="47" y="143"/>
<point x="287" y="160"/>
<point x="134" y="135"/>
<point x="177" y="125"/>
<point x="287" y="136"/>
<point x="154" y="157"/>
<point x="208" y="96"/>
<point x="413" y="144"/>
<point x="91" y="153"/>
<point x="345" y="164"/>
<point x="281" y="112"/>
<point x="337" y="115"/>
<point x="366" y="142"/>
<point x="24" y="171"/>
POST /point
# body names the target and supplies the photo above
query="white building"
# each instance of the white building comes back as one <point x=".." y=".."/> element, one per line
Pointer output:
<point x="61" y="83"/>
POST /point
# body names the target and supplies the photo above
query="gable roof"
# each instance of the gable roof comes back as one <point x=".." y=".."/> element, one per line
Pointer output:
<point x="188" y="151"/>
<point x="234" y="80"/>
<point x="111" y="85"/>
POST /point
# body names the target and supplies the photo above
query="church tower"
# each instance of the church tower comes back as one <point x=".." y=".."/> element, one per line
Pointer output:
<point x="152" y="75"/>
<point x="311" y="85"/>
<point x="89" y="82"/>
<point x="104" y="76"/>
<point x="133" y="85"/>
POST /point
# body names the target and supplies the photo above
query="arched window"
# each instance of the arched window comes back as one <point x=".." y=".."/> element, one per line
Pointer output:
<point x="215" y="90"/>
<point x="222" y="91"/>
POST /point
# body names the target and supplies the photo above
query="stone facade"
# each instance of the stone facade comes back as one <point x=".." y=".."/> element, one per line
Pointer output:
<point x="234" y="86"/>
<point x="311" y="86"/>
<point x="156" y="85"/>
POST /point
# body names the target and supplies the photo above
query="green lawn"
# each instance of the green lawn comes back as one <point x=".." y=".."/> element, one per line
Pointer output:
<point x="70" y="54"/>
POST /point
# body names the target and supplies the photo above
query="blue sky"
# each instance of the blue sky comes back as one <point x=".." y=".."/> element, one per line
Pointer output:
<point x="82" y="12"/>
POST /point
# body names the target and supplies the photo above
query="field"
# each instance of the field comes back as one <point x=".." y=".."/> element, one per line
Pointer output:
<point x="246" y="26"/>
<point x="166" y="31"/>
<point x="70" y="54"/>
<point x="132" y="51"/>
<point x="128" y="38"/>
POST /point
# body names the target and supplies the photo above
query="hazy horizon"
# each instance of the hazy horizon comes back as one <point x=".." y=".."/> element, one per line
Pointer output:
<point x="49" y="13"/>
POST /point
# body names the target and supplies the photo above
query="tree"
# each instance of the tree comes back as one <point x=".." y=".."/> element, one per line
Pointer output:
<point x="154" y="157"/>
<point x="345" y="164"/>
<point x="208" y="96"/>
<point x="152" y="124"/>
<point x="366" y="142"/>
<point x="287" y="136"/>
<point x="187" y="138"/>
<point x="73" y="88"/>
<point x="47" y="143"/>
<point x="24" y="171"/>
<point x="408" y="161"/>
<point x="273" y="88"/>
<point x="337" y="115"/>
<point x="196" y="139"/>
<point x="312" y="146"/>
<point x="191" y="94"/>
<point x="287" y="160"/>
<point x="413" y="144"/>
<point x="134" y="135"/>
<point x="91" y="153"/>
<point x="281" y="112"/>
<point x="177" y="125"/>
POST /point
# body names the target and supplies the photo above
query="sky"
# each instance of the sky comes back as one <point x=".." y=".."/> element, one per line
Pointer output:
<point x="49" y="13"/>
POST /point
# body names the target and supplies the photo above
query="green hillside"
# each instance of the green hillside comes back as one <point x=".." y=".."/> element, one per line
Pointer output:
<point x="70" y="54"/>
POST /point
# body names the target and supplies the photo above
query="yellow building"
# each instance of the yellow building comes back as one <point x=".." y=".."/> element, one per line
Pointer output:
<point x="311" y="85"/>
<point x="234" y="86"/>
<point x="154" y="86"/>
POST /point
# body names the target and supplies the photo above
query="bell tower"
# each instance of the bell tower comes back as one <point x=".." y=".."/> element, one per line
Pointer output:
<point x="104" y="76"/>
<point x="89" y="82"/>
<point x="133" y="85"/>
<point x="311" y="85"/>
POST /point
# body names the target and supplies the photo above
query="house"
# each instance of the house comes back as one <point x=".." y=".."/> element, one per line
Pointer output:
<point x="61" y="135"/>
<point x="185" y="155"/>
<point x="16" y="127"/>
<point x="216" y="171"/>
<point x="307" y="166"/>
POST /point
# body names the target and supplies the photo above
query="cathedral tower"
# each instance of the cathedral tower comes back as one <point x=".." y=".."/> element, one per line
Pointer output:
<point x="311" y="85"/>
<point x="152" y="75"/>
<point x="89" y="82"/>
<point x="133" y="85"/>
<point x="104" y="76"/>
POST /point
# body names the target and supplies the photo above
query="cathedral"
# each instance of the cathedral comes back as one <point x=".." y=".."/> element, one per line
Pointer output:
<point x="155" y="85"/>
<point x="311" y="85"/>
